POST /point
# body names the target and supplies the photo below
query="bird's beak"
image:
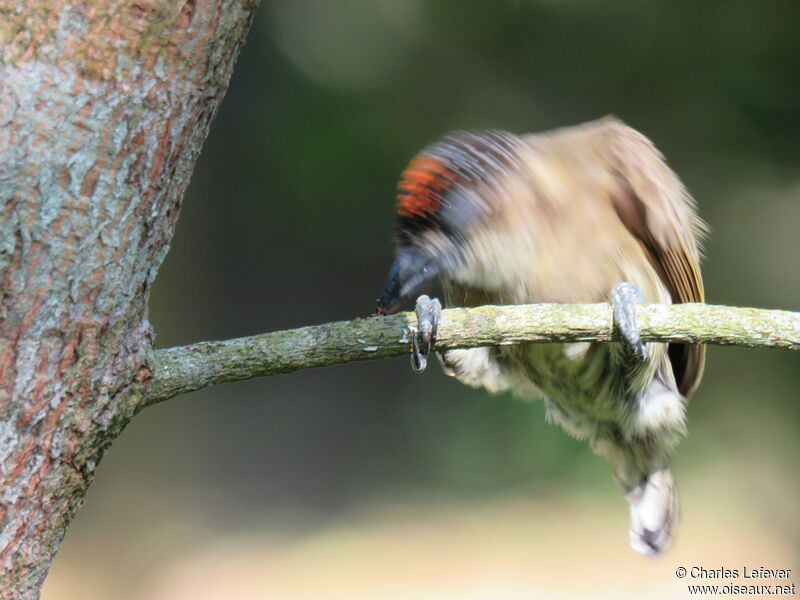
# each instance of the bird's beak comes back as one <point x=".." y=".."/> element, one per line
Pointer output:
<point x="408" y="272"/>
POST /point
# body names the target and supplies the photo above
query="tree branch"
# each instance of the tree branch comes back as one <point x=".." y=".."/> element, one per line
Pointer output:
<point x="184" y="369"/>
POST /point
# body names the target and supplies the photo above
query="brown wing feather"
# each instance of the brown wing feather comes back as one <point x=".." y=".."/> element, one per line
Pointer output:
<point x="659" y="212"/>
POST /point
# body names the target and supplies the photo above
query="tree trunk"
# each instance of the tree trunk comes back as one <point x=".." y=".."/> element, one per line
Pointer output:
<point x="104" y="106"/>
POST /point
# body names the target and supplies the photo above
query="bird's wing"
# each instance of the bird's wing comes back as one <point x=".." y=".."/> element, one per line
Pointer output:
<point x="658" y="211"/>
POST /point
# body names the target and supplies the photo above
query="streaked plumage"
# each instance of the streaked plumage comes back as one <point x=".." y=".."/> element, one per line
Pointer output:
<point x="564" y="216"/>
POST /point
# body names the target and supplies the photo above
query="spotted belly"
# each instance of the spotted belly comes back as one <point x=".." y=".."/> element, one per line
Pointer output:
<point x="581" y="384"/>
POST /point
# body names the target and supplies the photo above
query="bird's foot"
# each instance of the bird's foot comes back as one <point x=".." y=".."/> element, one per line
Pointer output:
<point x="624" y="298"/>
<point x="423" y="335"/>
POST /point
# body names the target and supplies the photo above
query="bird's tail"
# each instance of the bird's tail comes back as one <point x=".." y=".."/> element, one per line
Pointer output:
<point x="642" y="471"/>
<point x="654" y="512"/>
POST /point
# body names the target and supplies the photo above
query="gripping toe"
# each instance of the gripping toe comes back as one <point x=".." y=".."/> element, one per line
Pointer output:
<point x="624" y="298"/>
<point x="423" y="336"/>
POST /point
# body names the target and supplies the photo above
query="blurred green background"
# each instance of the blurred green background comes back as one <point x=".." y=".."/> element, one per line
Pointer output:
<point x="376" y="483"/>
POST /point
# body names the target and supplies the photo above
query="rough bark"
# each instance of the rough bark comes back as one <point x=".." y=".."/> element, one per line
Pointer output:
<point x="104" y="106"/>
<point x="103" y="109"/>
<point x="180" y="370"/>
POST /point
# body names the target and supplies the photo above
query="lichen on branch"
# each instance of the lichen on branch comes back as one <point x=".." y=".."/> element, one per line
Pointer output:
<point x="178" y="370"/>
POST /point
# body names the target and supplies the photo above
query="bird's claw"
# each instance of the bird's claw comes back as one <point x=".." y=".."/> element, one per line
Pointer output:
<point x="423" y="335"/>
<point x="624" y="298"/>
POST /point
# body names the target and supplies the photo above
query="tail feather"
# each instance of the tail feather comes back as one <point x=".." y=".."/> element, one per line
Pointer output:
<point x="654" y="512"/>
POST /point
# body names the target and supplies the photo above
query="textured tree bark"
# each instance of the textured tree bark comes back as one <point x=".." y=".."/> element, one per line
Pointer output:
<point x="104" y="106"/>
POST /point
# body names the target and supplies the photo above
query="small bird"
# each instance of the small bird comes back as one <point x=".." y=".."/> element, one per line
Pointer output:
<point x="582" y="214"/>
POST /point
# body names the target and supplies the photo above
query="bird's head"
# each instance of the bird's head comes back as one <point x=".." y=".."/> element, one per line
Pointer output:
<point x="444" y="195"/>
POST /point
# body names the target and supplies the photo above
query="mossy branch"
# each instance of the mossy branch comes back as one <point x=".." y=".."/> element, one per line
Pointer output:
<point x="178" y="370"/>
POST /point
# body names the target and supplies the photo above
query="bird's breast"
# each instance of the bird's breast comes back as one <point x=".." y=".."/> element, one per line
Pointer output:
<point x="580" y="379"/>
